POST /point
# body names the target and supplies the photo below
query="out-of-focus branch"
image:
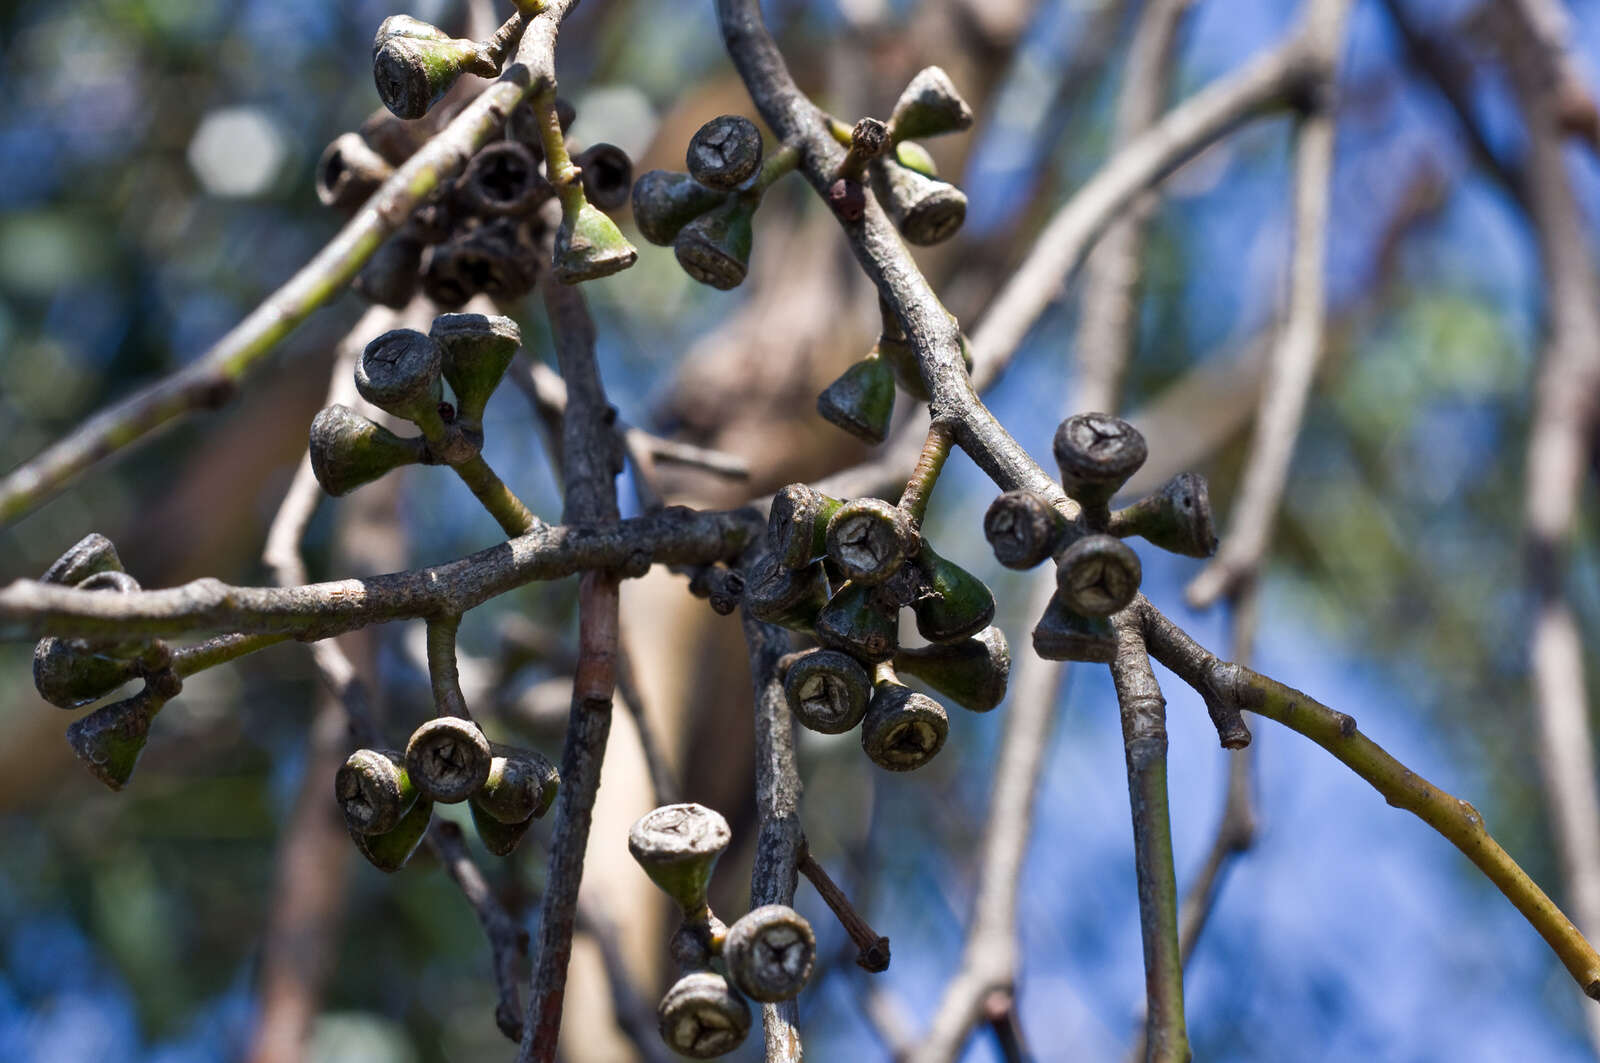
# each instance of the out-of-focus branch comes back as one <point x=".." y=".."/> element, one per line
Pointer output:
<point x="1547" y="29"/>
<point x="508" y="941"/>
<point x="1283" y="400"/>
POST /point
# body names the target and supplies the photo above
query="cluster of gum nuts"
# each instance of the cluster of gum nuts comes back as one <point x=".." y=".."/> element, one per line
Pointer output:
<point x="766" y="955"/>
<point x="842" y="571"/>
<point x="387" y="796"/>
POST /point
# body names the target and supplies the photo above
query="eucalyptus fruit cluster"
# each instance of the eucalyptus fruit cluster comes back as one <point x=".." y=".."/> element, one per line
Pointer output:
<point x="73" y="672"/>
<point x="926" y="209"/>
<point x="387" y="796"/>
<point x="842" y="571"/>
<point x="1097" y="574"/>
<point x="766" y="955"/>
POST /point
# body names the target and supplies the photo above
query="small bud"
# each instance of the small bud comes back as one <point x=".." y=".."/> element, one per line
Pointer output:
<point x="827" y="691"/>
<point x="664" y="202"/>
<point x="1063" y="635"/>
<point x="1098" y="575"/>
<point x="414" y="64"/>
<point x="702" y="1017"/>
<point x="1097" y="453"/>
<point x="70" y="673"/>
<point x="861" y="401"/>
<point x="855" y="621"/>
<point x="503" y="179"/>
<point x="929" y="107"/>
<point x="769" y="953"/>
<point x="390" y="276"/>
<point x="448" y="759"/>
<point x="790" y="598"/>
<point x="914" y="156"/>
<point x="678" y="847"/>
<point x="347" y="450"/>
<point x="1023" y="528"/>
<point x="89" y="556"/>
<point x="390" y="850"/>
<point x="399" y="373"/>
<point x="725" y="152"/>
<point x="972" y="672"/>
<point x="954" y="603"/>
<point x="477" y="350"/>
<point x="925" y="209"/>
<point x="350" y="171"/>
<point x="1176" y="518"/>
<point x="714" y="248"/>
<point x="903" y="729"/>
<point x="499" y="838"/>
<point x="521" y="786"/>
<point x="109" y="740"/>
<point x="869" y="539"/>
<point x="499" y="258"/>
<point x="607" y="175"/>
<point x="797" y="524"/>
<point x="374" y="791"/>
<point x="590" y="246"/>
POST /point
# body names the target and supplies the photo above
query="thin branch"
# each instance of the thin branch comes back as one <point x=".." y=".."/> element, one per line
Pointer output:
<point x="1548" y="30"/>
<point x="1290" y="372"/>
<point x="508" y="941"/>
<point x="212" y="379"/>
<point x="872" y="948"/>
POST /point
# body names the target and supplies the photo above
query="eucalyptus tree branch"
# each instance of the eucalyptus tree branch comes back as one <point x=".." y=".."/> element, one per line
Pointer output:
<point x="1455" y="819"/>
<point x="1290" y="372"/>
<point x="590" y="469"/>
<point x="212" y="379"/>
<point x="1547" y="28"/>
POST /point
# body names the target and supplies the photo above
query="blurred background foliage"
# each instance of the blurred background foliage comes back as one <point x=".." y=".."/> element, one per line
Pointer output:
<point x="155" y="184"/>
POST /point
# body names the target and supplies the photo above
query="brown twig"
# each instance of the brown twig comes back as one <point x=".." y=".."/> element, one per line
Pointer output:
<point x="872" y="948"/>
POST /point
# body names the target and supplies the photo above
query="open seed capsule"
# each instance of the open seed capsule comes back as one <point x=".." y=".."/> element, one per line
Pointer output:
<point x="607" y="175"/>
<point x="374" y="791"/>
<point x="589" y="245"/>
<point x="414" y="64"/>
<point x="972" y="672"/>
<point x="399" y="374"/>
<point x="929" y="106"/>
<point x="678" y="846"/>
<point x="769" y="953"/>
<point x="1098" y="575"/>
<point x="797" y="524"/>
<point x="791" y="598"/>
<point x="702" y="1017"/>
<point x="827" y="691"/>
<point x="347" y="450"/>
<point x="903" y="729"/>
<point x="349" y="171"/>
<point x="725" y="152"/>
<point x="925" y="209"/>
<point x="477" y="349"/>
<point x="1023" y="528"/>
<point x="1097" y="453"/>
<point x="448" y="759"/>
<point x="1177" y="517"/>
<point x="521" y="786"/>
<point x="869" y="539"/>
<point x="1063" y="635"/>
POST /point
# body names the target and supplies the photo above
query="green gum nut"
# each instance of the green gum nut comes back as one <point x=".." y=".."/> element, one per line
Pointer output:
<point x="925" y="209"/>
<point x="827" y="691"/>
<point x="71" y="673"/>
<point x="714" y="248"/>
<point x="390" y="850"/>
<point x="109" y="740"/>
<point x="954" y="603"/>
<point x="930" y="106"/>
<point x="521" y="786"/>
<point x="899" y="355"/>
<point x="903" y="729"/>
<point x="869" y="539"/>
<point x="791" y="598"/>
<point x="861" y="401"/>
<point x="499" y="838"/>
<point x="399" y="373"/>
<point x="797" y="524"/>
<point x="414" y="64"/>
<point x="1063" y="635"/>
<point x="1098" y="575"/>
<point x="588" y="244"/>
<point x="374" y="791"/>
<point x="347" y="450"/>
<point x="769" y="953"/>
<point x="448" y="759"/>
<point x="89" y="556"/>
<point x="855" y="622"/>
<point x="914" y="156"/>
<point x="1177" y="517"/>
<point x="477" y="350"/>
<point x="972" y="672"/>
<point x="678" y="846"/>
<point x="702" y="1016"/>
<point x="664" y="202"/>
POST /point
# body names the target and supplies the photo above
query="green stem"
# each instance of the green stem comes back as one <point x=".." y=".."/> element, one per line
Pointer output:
<point x="443" y="673"/>
<point x="188" y="660"/>
<point x="559" y="167"/>
<point x="515" y="517"/>
<point x="781" y="162"/>
<point x="919" y="489"/>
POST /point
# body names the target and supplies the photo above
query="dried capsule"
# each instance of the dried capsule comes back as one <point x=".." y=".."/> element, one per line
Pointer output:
<point x="725" y="152"/>
<point x="1177" y="517"/>
<point x="499" y="258"/>
<point x="972" y="672"/>
<point x="678" y="846"/>
<point x="374" y="791"/>
<point x="477" y="350"/>
<point x="929" y="106"/>
<point x="714" y="248"/>
<point x="522" y="785"/>
<point x="109" y="740"/>
<point x="827" y="691"/>
<point x="797" y="524"/>
<point x="954" y="603"/>
<point x="855" y="621"/>
<point x="869" y="539"/>
<point x="390" y="276"/>
<point x="861" y="400"/>
<point x="607" y="175"/>
<point x="702" y="1017"/>
<point x="415" y="63"/>
<point x="448" y="759"/>
<point x="903" y="729"/>
<point x="1063" y="635"/>
<point x="925" y="209"/>
<point x="664" y="202"/>
<point x="503" y="179"/>
<point x="399" y="373"/>
<point x="589" y="245"/>
<point x="1098" y="575"/>
<point x="89" y="556"/>
<point x="1023" y="528"/>
<point x="1097" y="453"/>
<point x="390" y="850"/>
<point x="769" y="953"/>
<point x="71" y="673"/>
<point x="790" y="598"/>
<point x="350" y="171"/>
<point x="347" y="450"/>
